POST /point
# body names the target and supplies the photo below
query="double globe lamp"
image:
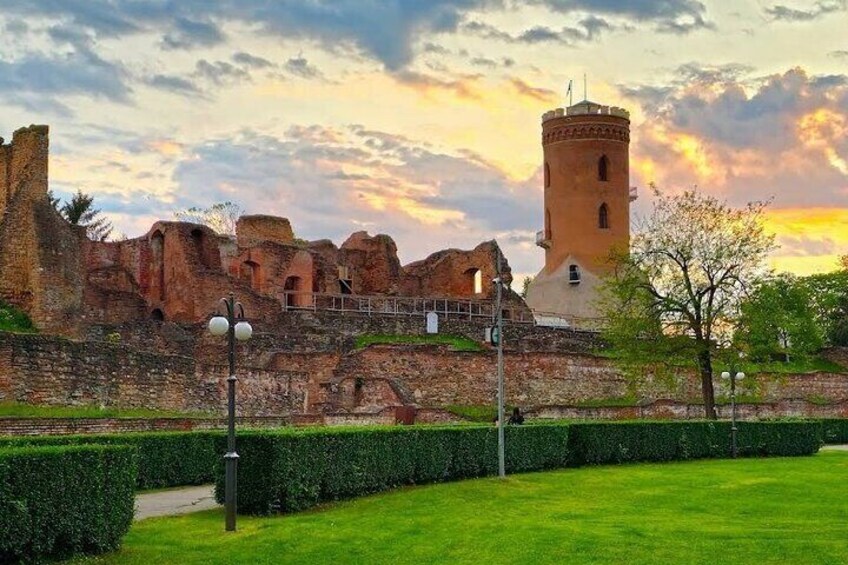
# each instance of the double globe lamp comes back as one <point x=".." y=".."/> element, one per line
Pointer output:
<point x="220" y="325"/>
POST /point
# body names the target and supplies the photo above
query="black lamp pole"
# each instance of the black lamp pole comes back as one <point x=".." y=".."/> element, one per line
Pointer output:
<point x="231" y="457"/>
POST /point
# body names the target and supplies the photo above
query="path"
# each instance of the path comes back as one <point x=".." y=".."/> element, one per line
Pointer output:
<point x="174" y="501"/>
<point x="843" y="447"/>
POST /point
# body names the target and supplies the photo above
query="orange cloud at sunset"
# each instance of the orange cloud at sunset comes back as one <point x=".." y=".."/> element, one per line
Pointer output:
<point x="811" y="240"/>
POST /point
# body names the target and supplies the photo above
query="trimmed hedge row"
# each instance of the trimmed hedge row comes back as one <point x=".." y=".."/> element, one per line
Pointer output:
<point x="166" y="459"/>
<point x="835" y="430"/>
<point x="595" y="443"/>
<point x="286" y="471"/>
<point x="56" y="501"/>
<point x="292" y="470"/>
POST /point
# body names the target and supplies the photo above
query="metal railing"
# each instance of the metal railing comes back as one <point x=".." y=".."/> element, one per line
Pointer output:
<point x="455" y="308"/>
<point x="400" y="306"/>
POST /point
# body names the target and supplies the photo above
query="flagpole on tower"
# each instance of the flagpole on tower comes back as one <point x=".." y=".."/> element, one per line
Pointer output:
<point x="570" y="93"/>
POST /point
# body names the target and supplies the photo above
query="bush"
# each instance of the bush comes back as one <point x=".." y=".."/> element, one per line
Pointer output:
<point x="60" y="500"/>
<point x="166" y="459"/>
<point x="835" y="430"/>
<point x="292" y="470"/>
<point x="594" y="443"/>
<point x="285" y="471"/>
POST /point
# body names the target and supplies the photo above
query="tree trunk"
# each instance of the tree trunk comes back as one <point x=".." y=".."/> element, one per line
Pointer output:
<point x="705" y="366"/>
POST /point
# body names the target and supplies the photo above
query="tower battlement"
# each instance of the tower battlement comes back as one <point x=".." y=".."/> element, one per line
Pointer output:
<point x="586" y="108"/>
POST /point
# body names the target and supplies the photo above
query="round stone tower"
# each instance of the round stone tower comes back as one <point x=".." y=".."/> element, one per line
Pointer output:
<point x="587" y="208"/>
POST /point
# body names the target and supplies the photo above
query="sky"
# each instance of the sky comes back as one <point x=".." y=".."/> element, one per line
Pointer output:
<point x="421" y="119"/>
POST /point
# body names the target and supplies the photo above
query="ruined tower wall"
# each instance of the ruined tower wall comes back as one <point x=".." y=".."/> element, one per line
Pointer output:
<point x="40" y="270"/>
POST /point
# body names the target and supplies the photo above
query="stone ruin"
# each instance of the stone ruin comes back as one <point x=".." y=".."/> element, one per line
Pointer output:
<point x="178" y="271"/>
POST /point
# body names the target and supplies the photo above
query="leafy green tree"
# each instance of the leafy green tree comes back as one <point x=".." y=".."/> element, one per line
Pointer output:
<point x="777" y="318"/>
<point x="221" y="217"/>
<point x="829" y="302"/>
<point x="675" y="297"/>
<point x="80" y="211"/>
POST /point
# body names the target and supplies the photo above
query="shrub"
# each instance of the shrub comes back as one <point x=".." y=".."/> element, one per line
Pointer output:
<point x="59" y="500"/>
<point x="835" y="430"/>
<point x="292" y="470"/>
<point x="593" y="443"/>
<point x="166" y="459"/>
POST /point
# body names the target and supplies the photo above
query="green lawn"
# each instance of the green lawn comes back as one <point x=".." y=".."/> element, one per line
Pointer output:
<point x="19" y="410"/>
<point x="718" y="511"/>
<point x="458" y="342"/>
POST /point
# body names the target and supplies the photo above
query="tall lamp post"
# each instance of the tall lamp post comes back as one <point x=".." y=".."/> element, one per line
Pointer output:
<point x="236" y="328"/>
<point x="733" y="376"/>
<point x="501" y="455"/>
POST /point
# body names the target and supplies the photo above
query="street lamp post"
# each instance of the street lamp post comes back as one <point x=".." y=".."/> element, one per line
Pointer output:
<point x="236" y="328"/>
<point x="733" y="376"/>
<point x="499" y="306"/>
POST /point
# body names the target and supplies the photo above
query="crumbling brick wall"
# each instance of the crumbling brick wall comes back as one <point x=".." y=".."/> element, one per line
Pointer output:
<point x="40" y="257"/>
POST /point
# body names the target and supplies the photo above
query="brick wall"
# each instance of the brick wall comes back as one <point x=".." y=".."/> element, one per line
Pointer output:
<point x="55" y="371"/>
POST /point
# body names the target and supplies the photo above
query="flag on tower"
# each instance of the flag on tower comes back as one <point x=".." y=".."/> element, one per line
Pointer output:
<point x="568" y="92"/>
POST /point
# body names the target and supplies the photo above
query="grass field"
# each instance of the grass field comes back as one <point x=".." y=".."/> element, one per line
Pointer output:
<point x="18" y="410"/>
<point x="457" y="342"/>
<point x="718" y="511"/>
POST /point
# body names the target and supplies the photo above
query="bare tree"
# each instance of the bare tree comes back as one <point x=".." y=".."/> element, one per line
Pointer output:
<point x="221" y="217"/>
<point x="675" y="298"/>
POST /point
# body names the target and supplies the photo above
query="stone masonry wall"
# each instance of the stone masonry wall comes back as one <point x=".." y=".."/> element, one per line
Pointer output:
<point x="55" y="371"/>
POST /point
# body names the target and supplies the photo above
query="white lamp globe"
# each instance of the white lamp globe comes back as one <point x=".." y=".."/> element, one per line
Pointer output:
<point x="740" y="375"/>
<point x="243" y="331"/>
<point x="218" y="325"/>
<point x="725" y="375"/>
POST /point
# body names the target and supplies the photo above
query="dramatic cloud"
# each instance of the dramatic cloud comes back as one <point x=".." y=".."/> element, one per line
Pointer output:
<point x="589" y="29"/>
<point x="674" y="16"/>
<point x="173" y="84"/>
<point x="188" y="34"/>
<point x="776" y="136"/>
<point x="819" y="9"/>
<point x="335" y="181"/>
<point x="299" y="66"/>
<point x="220" y="73"/>
<point x="252" y="61"/>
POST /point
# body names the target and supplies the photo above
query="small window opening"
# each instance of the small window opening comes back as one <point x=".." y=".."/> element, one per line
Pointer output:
<point x="603" y="168"/>
<point x="547" y="175"/>
<point x="573" y="274"/>
<point x="603" y="217"/>
<point x="157" y="315"/>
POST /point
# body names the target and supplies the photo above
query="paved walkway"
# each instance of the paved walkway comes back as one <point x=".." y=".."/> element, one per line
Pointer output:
<point x="175" y="501"/>
<point x="843" y="447"/>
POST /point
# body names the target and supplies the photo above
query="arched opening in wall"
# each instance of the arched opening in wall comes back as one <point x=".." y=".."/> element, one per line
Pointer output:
<point x="603" y="168"/>
<point x="157" y="315"/>
<point x="474" y="279"/>
<point x="603" y="217"/>
<point x="292" y="287"/>
<point x="157" y="277"/>
<point x="251" y="275"/>
<point x="547" y="175"/>
<point x="573" y="274"/>
<point x="547" y="224"/>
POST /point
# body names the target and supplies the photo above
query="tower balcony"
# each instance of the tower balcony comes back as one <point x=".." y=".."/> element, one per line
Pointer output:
<point x="543" y="239"/>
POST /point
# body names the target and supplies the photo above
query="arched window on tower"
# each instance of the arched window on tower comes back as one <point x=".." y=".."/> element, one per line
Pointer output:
<point x="603" y="217"/>
<point x="547" y="175"/>
<point x="603" y="168"/>
<point x="547" y="224"/>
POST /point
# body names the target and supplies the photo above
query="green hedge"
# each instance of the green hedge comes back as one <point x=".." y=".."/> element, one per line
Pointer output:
<point x="593" y="443"/>
<point x="835" y="430"/>
<point x="166" y="459"/>
<point x="284" y="471"/>
<point x="56" y="501"/>
<point x="292" y="470"/>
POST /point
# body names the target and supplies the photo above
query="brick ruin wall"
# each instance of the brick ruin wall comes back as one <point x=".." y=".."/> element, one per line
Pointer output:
<point x="54" y="371"/>
<point x="365" y="385"/>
